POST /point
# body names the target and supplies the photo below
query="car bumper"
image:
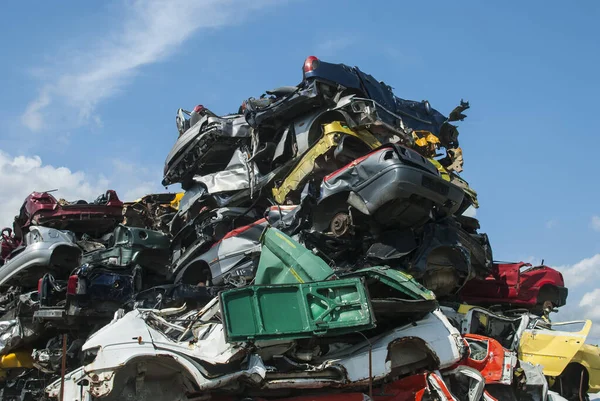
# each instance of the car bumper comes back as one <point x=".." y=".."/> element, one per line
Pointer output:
<point x="396" y="188"/>
<point x="563" y="292"/>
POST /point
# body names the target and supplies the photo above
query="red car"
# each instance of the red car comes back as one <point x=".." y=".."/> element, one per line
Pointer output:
<point x="487" y="355"/>
<point x="517" y="284"/>
<point x="94" y="218"/>
<point x="8" y="243"/>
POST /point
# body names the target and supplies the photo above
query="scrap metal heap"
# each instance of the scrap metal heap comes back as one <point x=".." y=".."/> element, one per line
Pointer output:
<point x="320" y="251"/>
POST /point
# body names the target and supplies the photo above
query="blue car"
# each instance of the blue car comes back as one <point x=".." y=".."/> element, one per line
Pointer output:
<point x="323" y="84"/>
<point x="94" y="292"/>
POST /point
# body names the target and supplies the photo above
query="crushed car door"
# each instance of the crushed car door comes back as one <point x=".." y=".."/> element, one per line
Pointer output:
<point x="552" y="348"/>
<point x="506" y="330"/>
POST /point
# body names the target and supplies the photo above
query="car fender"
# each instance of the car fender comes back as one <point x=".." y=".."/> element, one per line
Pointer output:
<point x="102" y="382"/>
<point x="72" y="387"/>
<point x="538" y="285"/>
<point x="589" y="357"/>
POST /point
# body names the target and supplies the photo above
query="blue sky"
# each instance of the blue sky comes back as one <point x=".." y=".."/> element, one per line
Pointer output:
<point x="89" y="93"/>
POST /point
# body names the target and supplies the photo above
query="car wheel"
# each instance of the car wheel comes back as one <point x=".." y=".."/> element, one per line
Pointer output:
<point x="548" y="293"/>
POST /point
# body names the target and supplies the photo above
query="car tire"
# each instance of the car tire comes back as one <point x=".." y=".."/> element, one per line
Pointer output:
<point x="548" y="293"/>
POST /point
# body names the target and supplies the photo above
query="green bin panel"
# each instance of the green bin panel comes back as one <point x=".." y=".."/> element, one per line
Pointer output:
<point x="290" y="311"/>
<point x="285" y="261"/>
<point x="396" y="279"/>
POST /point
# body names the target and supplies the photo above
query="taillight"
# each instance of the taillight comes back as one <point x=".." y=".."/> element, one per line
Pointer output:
<point x="72" y="285"/>
<point x="198" y="108"/>
<point x="40" y="281"/>
<point x="310" y="64"/>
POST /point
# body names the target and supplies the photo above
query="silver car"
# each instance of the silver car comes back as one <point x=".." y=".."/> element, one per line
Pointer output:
<point x="206" y="147"/>
<point x="46" y="250"/>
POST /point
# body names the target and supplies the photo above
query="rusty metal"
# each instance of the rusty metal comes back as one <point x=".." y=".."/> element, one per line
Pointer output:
<point x="341" y="224"/>
<point x="370" y="365"/>
<point x="370" y="371"/>
<point x="63" y="367"/>
<point x="419" y="343"/>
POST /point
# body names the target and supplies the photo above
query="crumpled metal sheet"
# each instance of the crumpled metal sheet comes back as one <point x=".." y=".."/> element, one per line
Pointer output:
<point x="10" y="330"/>
<point x="466" y="382"/>
<point x="534" y="374"/>
<point x="554" y="396"/>
<point x="236" y="175"/>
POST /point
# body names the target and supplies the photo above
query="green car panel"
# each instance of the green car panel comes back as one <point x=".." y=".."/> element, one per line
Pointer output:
<point x="285" y="261"/>
<point x="144" y="247"/>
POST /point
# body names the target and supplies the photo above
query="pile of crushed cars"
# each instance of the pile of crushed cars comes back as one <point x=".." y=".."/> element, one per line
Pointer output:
<point x="320" y="251"/>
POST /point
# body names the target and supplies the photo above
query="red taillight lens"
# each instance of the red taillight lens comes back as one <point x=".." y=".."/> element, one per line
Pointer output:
<point x="198" y="108"/>
<point x="72" y="285"/>
<point x="310" y="64"/>
<point x="40" y="281"/>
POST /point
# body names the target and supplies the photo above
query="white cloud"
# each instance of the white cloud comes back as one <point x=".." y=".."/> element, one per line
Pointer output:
<point x="581" y="272"/>
<point x="150" y="32"/>
<point x="21" y="175"/>
<point x="589" y="308"/>
<point x="595" y="223"/>
<point x="32" y="118"/>
<point x="330" y="47"/>
<point x="584" y="295"/>
<point x="551" y="223"/>
<point x="590" y="298"/>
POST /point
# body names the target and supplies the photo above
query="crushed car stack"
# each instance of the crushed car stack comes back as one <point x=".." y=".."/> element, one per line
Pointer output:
<point x="320" y="251"/>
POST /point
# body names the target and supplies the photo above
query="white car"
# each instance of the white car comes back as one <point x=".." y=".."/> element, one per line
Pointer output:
<point x="145" y="352"/>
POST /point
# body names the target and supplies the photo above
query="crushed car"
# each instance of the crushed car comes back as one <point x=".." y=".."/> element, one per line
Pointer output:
<point x="568" y="363"/>
<point x="94" y="218"/>
<point x="43" y="249"/>
<point x="518" y="285"/>
<point x="319" y="249"/>
<point x="153" y="212"/>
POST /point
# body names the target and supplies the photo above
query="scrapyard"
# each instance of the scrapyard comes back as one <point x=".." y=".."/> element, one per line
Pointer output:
<point x="320" y="250"/>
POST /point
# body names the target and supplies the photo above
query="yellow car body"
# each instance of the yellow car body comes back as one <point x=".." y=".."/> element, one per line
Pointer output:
<point x="171" y="200"/>
<point x="556" y="349"/>
<point x="563" y="354"/>
<point x="332" y="134"/>
<point x="15" y="360"/>
<point x="588" y="356"/>
<point x="175" y="202"/>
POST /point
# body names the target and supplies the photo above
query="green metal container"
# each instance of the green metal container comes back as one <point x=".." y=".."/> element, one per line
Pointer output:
<point x="291" y="311"/>
<point x="398" y="280"/>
